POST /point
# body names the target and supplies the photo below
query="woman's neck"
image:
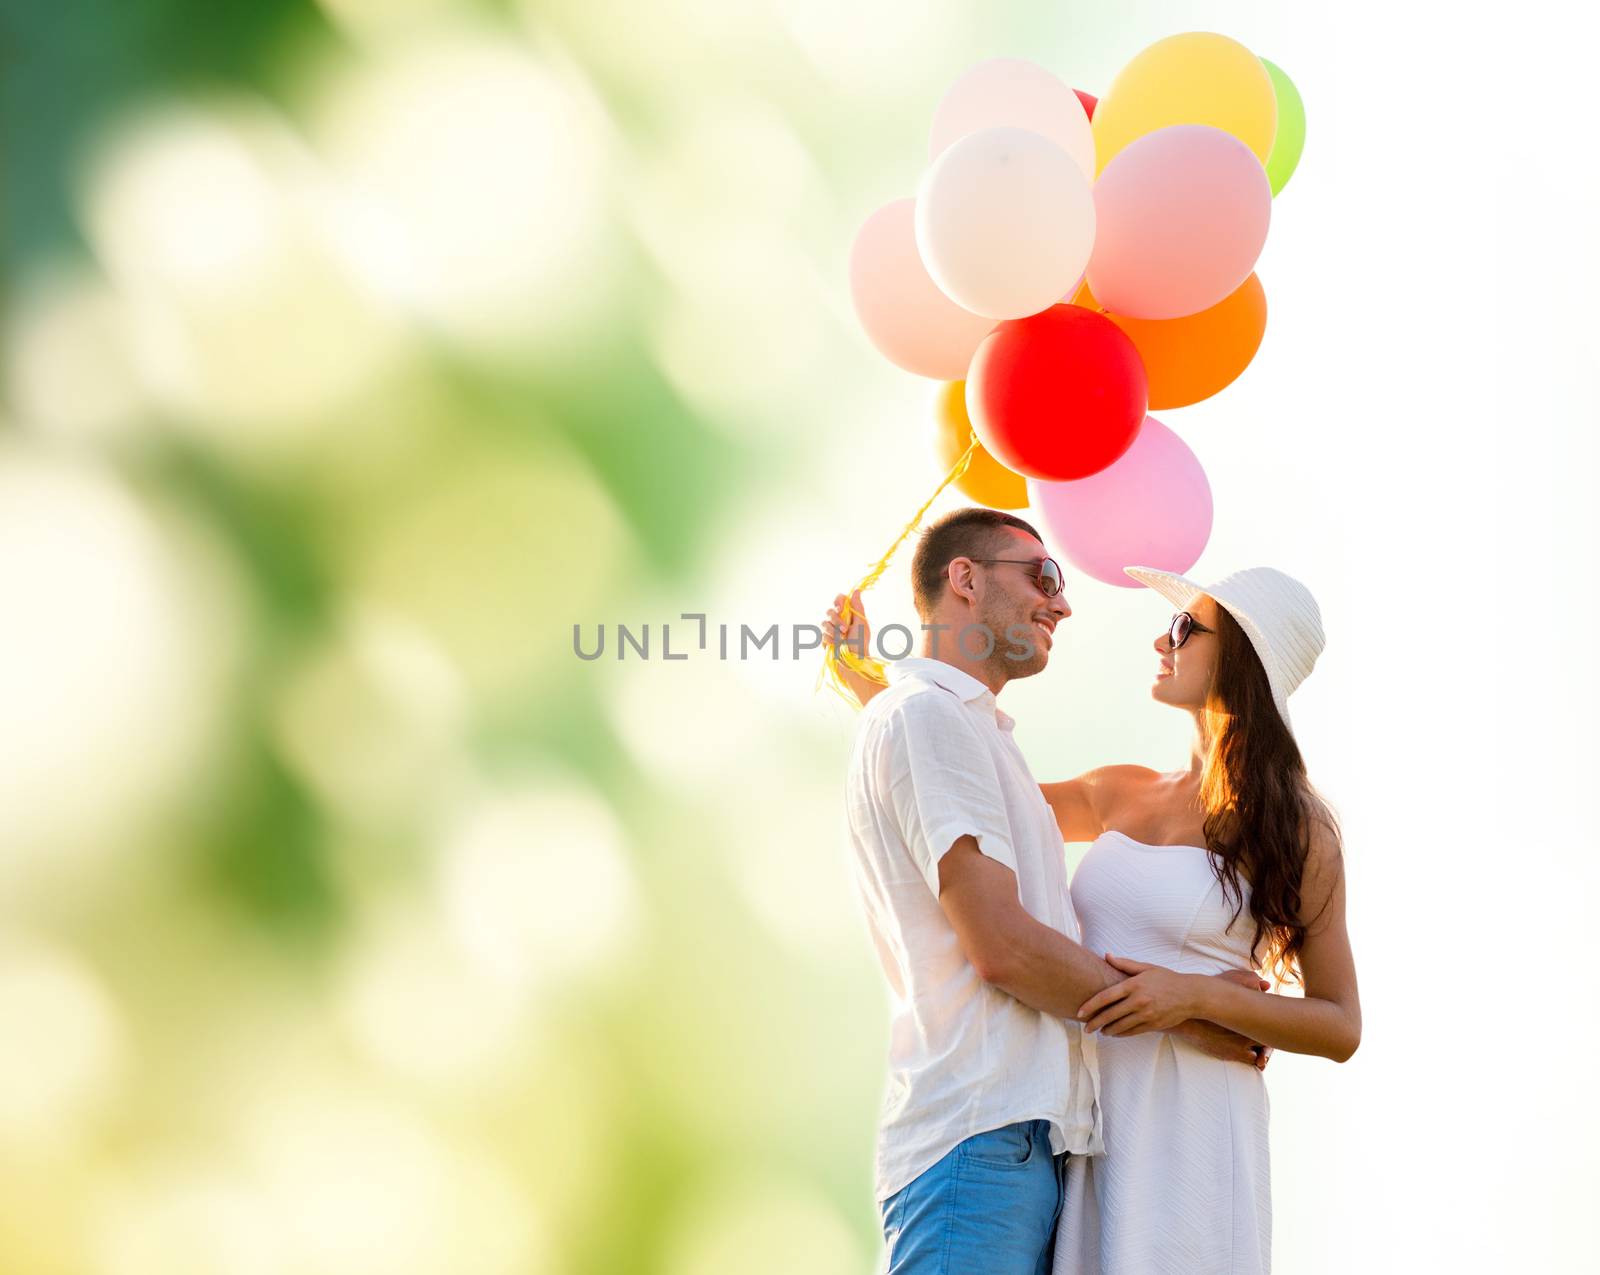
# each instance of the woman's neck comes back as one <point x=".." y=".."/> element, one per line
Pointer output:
<point x="1200" y="743"/>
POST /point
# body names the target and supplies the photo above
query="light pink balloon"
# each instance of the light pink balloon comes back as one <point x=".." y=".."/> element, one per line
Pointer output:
<point x="1151" y="508"/>
<point x="1181" y="216"/>
<point x="1005" y="221"/>
<point x="913" y="324"/>
<point x="1015" y="93"/>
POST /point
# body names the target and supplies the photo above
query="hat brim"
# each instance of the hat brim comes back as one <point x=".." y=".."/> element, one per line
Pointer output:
<point x="1176" y="589"/>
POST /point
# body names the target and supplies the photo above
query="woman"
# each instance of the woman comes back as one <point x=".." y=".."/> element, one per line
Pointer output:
<point x="1232" y="860"/>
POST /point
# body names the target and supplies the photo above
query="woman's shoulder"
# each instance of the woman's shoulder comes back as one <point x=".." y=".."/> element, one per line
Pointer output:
<point x="1113" y="785"/>
<point x="1324" y="840"/>
<point x="1122" y="777"/>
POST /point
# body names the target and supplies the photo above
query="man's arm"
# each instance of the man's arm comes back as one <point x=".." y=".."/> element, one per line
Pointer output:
<point x="1008" y="947"/>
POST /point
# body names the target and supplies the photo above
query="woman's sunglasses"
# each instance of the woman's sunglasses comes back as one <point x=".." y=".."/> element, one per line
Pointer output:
<point x="1183" y="627"/>
<point x="1047" y="572"/>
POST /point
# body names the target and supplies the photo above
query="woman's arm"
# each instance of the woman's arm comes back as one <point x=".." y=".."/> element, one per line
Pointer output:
<point x="1325" y="1021"/>
<point x="1072" y="800"/>
<point x="863" y="688"/>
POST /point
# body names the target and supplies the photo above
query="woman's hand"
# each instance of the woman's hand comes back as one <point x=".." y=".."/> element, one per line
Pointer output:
<point x="855" y="637"/>
<point x="1154" y="999"/>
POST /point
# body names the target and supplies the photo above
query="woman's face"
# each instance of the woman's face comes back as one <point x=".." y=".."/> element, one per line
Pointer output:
<point x="1184" y="675"/>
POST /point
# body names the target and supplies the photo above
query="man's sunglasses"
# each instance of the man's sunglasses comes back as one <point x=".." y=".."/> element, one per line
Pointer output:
<point x="1183" y="627"/>
<point x="1047" y="572"/>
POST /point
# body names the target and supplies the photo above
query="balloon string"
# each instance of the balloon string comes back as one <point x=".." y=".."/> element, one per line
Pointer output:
<point x="835" y="655"/>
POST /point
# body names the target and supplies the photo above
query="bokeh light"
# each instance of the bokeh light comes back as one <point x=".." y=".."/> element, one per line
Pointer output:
<point x="114" y="657"/>
<point x="421" y="1009"/>
<point x="736" y="1217"/>
<point x="65" y="1046"/>
<point x="172" y="1218"/>
<point x="249" y="327"/>
<point x="470" y="555"/>
<point x="488" y="166"/>
<point x="373" y="721"/>
<point x="536" y="885"/>
<point x="70" y="362"/>
<point x="362" y="1187"/>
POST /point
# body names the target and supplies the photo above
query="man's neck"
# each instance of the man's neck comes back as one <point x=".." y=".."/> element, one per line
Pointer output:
<point x="941" y="642"/>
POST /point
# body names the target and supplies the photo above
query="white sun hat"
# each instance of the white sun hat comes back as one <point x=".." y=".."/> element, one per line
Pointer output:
<point x="1276" y="611"/>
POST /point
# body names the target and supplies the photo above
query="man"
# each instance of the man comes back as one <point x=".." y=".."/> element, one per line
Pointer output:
<point x="960" y="866"/>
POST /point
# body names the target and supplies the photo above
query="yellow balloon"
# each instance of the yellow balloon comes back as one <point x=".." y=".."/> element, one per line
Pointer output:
<point x="986" y="481"/>
<point x="1195" y="78"/>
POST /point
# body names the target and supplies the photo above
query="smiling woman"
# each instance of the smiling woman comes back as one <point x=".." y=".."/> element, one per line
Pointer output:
<point x="1232" y="862"/>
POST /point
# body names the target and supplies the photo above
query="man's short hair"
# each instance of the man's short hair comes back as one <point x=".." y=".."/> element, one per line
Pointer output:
<point x="962" y="533"/>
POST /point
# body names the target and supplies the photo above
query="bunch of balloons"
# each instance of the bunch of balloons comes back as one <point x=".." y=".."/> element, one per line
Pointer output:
<point x="1069" y="265"/>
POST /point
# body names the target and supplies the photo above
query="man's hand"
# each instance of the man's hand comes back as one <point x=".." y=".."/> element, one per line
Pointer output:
<point x="856" y="637"/>
<point x="1246" y="978"/>
<point x="1252" y="980"/>
<point x="1221" y="1043"/>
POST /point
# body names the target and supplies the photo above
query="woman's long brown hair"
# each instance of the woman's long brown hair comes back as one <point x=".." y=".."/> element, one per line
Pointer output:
<point x="1259" y="804"/>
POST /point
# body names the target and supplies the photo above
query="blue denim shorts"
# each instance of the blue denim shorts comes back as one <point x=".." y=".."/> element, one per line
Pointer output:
<point x="989" y="1207"/>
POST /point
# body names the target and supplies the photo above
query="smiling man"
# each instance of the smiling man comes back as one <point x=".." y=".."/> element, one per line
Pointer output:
<point x="961" y="870"/>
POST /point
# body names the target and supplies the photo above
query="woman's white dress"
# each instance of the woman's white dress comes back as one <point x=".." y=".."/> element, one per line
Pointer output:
<point x="1184" y="1183"/>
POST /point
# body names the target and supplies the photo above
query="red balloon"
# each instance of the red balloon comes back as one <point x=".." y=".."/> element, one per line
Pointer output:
<point x="1089" y="100"/>
<point x="1059" y="395"/>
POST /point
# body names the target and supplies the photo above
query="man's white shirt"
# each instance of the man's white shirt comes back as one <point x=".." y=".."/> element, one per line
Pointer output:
<point x="935" y="760"/>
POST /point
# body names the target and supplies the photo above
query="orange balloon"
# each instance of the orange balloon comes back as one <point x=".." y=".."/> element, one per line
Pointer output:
<point x="1194" y="357"/>
<point x="986" y="481"/>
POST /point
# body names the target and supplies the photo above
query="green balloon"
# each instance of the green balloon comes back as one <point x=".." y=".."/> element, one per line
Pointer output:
<point x="1290" y="139"/>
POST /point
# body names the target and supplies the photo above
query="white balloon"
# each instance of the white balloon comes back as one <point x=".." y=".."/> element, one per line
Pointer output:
<point x="1014" y="93"/>
<point x="1005" y="222"/>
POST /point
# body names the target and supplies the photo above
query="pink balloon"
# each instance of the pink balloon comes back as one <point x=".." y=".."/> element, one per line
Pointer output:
<point x="1016" y="93"/>
<point x="1150" y="508"/>
<point x="1181" y="216"/>
<point x="913" y="324"/>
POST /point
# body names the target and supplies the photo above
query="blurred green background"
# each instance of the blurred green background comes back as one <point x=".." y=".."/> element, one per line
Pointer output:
<point x="353" y="353"/>
<point x="355" y="350"/>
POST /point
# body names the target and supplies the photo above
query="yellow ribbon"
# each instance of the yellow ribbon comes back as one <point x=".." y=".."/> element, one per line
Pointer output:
<point x="862" y="664"/>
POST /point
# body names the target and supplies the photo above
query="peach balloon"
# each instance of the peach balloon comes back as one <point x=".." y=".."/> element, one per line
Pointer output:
<point x="1005" y="222"/>
<point x="986" y="481"/>
<point x="1181" y="216"/>
<point x="912" y="324"/>
<point x="1019" y="94"/>
<point x="1194" y="357"/>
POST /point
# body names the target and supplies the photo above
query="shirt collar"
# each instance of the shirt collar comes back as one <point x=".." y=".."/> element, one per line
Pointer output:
<point x="962" y="685"/>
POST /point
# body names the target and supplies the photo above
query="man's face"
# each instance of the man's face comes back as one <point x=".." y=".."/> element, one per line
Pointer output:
<point x="1010" y="602"/>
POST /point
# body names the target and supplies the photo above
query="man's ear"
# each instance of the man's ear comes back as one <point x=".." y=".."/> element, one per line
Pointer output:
<point x="963" y="579"/>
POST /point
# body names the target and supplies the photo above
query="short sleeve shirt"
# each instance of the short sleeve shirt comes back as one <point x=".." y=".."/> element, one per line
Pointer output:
<point x="935" y="760"/>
